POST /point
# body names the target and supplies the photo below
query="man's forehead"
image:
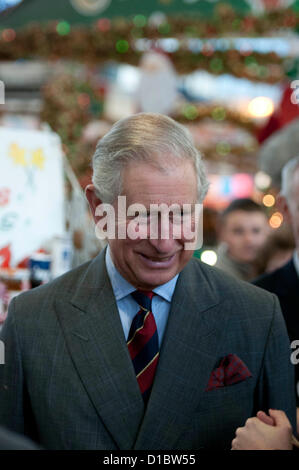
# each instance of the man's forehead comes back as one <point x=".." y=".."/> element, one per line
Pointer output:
<point x="173" y="207"/>
<point x="241" y="216"/>
<point x="168" y="168"/>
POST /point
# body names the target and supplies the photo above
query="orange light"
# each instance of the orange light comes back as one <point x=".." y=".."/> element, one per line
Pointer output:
<point x="261" y="107"/>
<point x="268" y="200"/>
<point x="276" y="220"/>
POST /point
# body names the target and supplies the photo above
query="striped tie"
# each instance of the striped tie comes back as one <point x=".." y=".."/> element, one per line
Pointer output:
<point x="143" y="343"/>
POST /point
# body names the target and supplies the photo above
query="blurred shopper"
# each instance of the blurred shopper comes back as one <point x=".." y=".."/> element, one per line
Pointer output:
<point x="277" y="251"/>
<point x="244" y="229"/>
<point x="284" y="282"/>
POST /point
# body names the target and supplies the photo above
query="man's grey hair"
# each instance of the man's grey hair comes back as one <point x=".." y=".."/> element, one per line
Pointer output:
<point x="144" y="137"/>
<point x="287" y="176"/>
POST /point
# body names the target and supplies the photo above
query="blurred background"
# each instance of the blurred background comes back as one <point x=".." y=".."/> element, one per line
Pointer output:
<point x="227" y="70"/>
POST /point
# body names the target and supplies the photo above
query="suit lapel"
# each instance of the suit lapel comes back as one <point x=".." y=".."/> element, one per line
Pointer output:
<point x="92" y="328"/>
<point x="96" y="342"/>
<point x="187" y="357"/>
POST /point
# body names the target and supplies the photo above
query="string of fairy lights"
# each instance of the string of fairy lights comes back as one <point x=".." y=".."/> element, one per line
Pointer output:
<point x="189" y="42"/>
<point x="193" y="42"/>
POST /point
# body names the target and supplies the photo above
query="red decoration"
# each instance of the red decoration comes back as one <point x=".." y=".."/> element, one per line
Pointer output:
<point x="5" y="257"/>
<point x="286" y="112"/>
<point x="4" y="196"/>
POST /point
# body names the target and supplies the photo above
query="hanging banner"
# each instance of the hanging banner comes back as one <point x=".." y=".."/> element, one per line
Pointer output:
<point x="31" y="193"/>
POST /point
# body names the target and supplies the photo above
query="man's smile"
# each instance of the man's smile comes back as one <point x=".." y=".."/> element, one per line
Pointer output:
<point x="157" y="262"/>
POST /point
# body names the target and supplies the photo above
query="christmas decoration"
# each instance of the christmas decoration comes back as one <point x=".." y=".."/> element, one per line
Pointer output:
<point x="119" y="40"/>
<point x="69" y="104"/>
<point x="196" y="113"/>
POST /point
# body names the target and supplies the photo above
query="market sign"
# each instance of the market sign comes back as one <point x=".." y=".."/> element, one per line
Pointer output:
<point x="31" y="192"/>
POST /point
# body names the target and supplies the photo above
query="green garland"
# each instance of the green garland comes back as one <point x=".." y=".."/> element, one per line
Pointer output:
<point x="69" y="104"/>
<point x="116" y="40"/>
<point x="191" y="113"/>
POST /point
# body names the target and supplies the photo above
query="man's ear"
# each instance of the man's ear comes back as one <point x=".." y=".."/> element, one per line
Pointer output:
<point x="93" y="200"/>
<point x="282" y="205"/>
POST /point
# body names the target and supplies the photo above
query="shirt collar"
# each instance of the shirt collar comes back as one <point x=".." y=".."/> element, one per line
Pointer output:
<point x="296" y="261"/>
<point x="122" y="288"/>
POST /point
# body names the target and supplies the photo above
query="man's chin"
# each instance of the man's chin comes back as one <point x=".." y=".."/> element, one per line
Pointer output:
<point x="247" y="261"/>
<point x="154" y="279"/>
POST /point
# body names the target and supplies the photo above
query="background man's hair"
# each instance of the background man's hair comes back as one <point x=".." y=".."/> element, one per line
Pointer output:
<point x="287" y="175"/>
<point x="144" y="137"/>
<point x="243" y="204"/>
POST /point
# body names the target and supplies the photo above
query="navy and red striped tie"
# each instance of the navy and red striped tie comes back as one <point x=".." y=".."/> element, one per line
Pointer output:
<point x="143" y="343"/>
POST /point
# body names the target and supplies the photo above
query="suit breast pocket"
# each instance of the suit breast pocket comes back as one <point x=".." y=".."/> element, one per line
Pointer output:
<point x="218" y="414"/>
<point x="229" y="396"/>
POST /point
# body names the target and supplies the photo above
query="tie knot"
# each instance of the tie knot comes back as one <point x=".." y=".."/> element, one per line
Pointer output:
<point x="143" y="298"/>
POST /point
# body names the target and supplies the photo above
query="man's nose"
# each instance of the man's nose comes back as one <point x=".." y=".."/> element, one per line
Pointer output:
<point x="163" y="245"/>
<point x="249" y="237"/>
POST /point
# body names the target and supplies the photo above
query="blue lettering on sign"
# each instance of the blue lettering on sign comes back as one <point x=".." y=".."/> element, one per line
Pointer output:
<point x="7" y="221"/>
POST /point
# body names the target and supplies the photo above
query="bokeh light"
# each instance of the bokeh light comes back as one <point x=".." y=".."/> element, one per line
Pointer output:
<point x="261" y="107"/>
<point x="262" y="180"/>
<point x="122" y="46"/>
<point x="164" y="28"/>
<point x="268" y="200"/>
<point x="63" y="28"/>
<point x="139" y="21"/>
<point x="218" y="113"/>
<point x="209" y="257"/>
<point x="276" y="220"/>
<point x="190" y="112"/>
<point x="104" y="25"/>
<point x="223" y="148"/>
<point x="8" y="35"/>
<point x="83" y="100"/>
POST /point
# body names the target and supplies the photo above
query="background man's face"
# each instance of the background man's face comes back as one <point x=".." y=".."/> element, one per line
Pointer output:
<point x="244" y="233"/>
<point x="147" y="263"/>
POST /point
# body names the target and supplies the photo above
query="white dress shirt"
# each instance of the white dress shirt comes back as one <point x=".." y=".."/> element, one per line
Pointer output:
<point x="128" y="307"/>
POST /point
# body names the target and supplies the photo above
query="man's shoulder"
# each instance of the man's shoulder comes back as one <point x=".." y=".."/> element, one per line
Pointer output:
<point x="63" y="287"/>
<point x="280" y="280"/>
<point x="226" y="285"/>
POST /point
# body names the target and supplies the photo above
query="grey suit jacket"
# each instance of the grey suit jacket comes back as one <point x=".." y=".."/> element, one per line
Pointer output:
<point x="12" y="441"/>
<point x="68" y="381"/>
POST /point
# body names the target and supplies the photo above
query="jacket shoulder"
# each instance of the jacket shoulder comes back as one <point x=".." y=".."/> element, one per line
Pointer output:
<point x="37" y="300"/>
<point x="226" y="286"/>
<point x="277" y="281"/>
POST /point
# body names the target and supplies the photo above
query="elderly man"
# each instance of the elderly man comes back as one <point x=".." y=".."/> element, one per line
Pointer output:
<point x="143" y="347"/>
<point x="284" y="282"/>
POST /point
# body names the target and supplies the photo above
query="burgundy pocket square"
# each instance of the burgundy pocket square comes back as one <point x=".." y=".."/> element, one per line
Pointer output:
<point x="231" y="370"/>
